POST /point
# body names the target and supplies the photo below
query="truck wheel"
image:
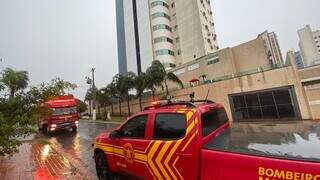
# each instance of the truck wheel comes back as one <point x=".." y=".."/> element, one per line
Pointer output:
<point x="102" y="167"/>
<point x="44" y="129"/>
<point x="74" y="129"/>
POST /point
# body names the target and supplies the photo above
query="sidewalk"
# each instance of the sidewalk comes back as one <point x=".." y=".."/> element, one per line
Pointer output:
<point x="40" y="161"/>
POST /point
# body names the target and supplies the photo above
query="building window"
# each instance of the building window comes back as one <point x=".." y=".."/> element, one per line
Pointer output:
<point x="162" y="39"/>
<point x="179" y="52"/>
<point x="164" y="52"/>
<point x="161" y="26"/>
<point x="193" y="67"/>
<point x="177" y="39"/>
<point x="160" y="14"/>
<point x="159" y="3"/>
<point x="213" y="60"/>
<point x="179" y="71"/>
<point x="176" y="27"/>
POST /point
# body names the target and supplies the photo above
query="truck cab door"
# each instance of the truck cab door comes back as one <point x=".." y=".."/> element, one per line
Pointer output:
<point x="174" y="150"/>
<point x="130" y="157"/>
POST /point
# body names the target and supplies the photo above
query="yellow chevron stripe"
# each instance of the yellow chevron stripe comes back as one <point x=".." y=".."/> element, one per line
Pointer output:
<point x="160" y="156"/>
<point x="118" y="151"/>
<point x="150" y="156"/>
<point x="141" y="157"/>
<point x="189" y="141"/>
<point x="190" y="127"/>
<point x="189" y="116"/>
<point x="174" y="166"/>
<point x="166" y="162"/>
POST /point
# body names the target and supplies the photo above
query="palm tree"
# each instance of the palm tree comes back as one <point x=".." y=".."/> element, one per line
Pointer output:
<point x="126" y="84"/>
<point x="204" y="77"/>
<point x="157" y="76"/>
<point x="14" y="80"/>
<point x="103" y="98"/>
<point x="89" y="98"/>
<point x="113" y="94"/>
<point x="140" y="84"/>
<point x="115" y="89"/>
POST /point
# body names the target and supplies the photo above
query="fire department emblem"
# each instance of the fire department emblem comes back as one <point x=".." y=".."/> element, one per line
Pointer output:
<point x="128" y="153"/>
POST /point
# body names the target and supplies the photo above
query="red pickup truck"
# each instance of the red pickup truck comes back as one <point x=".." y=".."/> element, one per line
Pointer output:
<point x="59" y="113"/>
<point x="186" y="140"/>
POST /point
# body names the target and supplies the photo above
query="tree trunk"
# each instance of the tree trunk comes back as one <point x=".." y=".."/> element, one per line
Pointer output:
<point x="98" y="108"/>
<point x="128" y="103"/>
<point x="167" y="90"/>
<point x="105" y="111"/>
<point x="140" y="103"/>
<point x="90" y="106"/>
<point x="112" y="112"/>
<point x="12" y="92"/>
<point x="120" y="107"/>
<point x="153" y="93"/>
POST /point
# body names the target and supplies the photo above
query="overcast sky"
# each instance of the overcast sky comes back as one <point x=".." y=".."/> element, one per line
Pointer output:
<point x="65" y="38"/>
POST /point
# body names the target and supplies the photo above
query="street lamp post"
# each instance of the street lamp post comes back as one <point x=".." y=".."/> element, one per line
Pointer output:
<point x="94" y="95"/>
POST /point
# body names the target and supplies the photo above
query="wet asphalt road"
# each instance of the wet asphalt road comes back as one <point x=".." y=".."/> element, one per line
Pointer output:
<point x="78" y="145"/>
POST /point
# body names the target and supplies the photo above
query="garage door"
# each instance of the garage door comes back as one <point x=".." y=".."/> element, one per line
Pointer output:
<point x="267" y="104"/>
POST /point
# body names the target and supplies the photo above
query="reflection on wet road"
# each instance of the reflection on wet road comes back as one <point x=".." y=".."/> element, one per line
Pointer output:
<point x="78" y="145"/>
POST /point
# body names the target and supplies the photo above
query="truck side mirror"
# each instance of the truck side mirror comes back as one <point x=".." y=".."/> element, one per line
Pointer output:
<point x="115" y="134"/>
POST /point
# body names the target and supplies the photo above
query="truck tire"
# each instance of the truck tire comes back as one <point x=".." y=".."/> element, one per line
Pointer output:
<point x="44" y="129"/>
<point x="102" y="167"/>
<point x="74" y="129"/>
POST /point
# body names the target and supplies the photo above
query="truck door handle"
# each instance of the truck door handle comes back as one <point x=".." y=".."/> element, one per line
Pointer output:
<point x="184" y="155"/>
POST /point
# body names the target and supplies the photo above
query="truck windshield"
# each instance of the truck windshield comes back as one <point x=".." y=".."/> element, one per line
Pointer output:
<point x="212" y="120"/>
<point x="64" y="111"/>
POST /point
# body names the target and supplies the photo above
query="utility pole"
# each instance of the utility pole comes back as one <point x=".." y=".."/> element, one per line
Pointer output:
<point x="94" y="112"/>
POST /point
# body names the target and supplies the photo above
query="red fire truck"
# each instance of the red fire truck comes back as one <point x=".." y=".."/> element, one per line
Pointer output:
<point x="187" y="140"/>
<point x="60" y="113"/>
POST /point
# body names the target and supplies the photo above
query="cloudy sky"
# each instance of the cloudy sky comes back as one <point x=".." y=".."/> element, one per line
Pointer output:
<point x="65" y="38"/>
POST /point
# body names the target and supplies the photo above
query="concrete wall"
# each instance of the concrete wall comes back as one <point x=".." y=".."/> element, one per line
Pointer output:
<point x="310" y="78"/>
<point x="241" y="58"/>
<point x="220" y="91"/>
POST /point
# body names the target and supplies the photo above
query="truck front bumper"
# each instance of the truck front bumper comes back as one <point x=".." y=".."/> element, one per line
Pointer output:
<point x="67" y="125"/>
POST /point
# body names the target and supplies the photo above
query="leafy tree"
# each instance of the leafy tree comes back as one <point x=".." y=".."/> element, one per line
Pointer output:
<point x="82" y="106"/>
<point x="20" y="111"/>
<point x="17" y="119"/>
<point x="14" y="80"/>
<point x="140" y="84"/>
<point x="57" y="87"/>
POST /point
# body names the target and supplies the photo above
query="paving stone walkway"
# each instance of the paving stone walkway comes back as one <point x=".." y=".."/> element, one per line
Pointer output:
<point x="42" y="161"/>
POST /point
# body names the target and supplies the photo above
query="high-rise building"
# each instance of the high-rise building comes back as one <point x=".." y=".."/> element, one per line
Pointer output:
<point x="171" y="31"/>
<point x="273" y="47"/>
<point x="309" y="45"/>
<point x="298" y="58"/>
